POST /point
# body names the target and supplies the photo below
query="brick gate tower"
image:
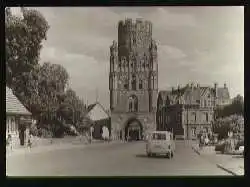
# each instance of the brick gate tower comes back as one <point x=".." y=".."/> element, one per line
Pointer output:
<point x="133" y="80"/>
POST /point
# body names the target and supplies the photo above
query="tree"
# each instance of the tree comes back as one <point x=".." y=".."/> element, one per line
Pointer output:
<point x="23" y="37"/>
<point x="52" y="80"/>
<point x="233" y="123"/>
<point x="73" y="109"/>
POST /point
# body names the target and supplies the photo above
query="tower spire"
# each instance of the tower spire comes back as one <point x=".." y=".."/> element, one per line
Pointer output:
<point x="96" y="99"/>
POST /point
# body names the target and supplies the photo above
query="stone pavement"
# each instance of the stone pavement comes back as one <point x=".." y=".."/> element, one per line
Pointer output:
<point x="233" y="164"/>
<point x="63" y="143"/>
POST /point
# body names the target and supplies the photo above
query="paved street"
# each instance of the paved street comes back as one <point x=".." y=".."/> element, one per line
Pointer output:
<point x="120" y="159"/>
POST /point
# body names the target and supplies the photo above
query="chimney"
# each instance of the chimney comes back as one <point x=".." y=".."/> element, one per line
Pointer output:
<point x="192" y="85"/>
<point x="225" y="85"/>
<point x="215" y="85"/>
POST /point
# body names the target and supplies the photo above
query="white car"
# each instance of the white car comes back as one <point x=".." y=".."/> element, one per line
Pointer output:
<point x="160" y="143"/>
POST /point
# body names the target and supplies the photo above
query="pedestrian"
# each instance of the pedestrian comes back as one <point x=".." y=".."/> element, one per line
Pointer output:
<point x="29" y="142"/>
<point x="206" y="140"/>
<point x="9" y="142"/>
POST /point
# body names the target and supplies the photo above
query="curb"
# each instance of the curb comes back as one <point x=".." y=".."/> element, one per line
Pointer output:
<point x="218" y="165"/>
<point x="225" y="169"/>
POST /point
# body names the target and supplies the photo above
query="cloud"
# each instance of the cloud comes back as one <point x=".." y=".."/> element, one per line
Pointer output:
<point x="170" y="52"/>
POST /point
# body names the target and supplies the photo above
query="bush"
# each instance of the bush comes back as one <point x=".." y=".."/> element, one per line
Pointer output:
<point x="34" y="130"/>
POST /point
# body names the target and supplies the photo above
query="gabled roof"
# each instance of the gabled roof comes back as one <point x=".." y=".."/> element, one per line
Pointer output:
<point x="92" y="106"/>
<point x="13" y="105"/>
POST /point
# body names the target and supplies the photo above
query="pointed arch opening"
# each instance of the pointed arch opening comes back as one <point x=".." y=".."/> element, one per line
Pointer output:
<point x="133" y="104"/>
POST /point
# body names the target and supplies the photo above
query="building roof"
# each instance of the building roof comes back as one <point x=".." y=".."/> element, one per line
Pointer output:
<point x="13" y="105"/>
<point x="90" y="107"/>
<point x="94" y="115"/>
<point x="189" y="95"/>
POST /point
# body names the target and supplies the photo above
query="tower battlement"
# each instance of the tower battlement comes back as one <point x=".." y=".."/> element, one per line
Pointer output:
<point x="135" y="25"/>
<point x="134" y="36"/>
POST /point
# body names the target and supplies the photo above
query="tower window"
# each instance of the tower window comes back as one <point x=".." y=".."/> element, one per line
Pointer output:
<point x="126" y="85"/>
<point x="194" y="114"/>
<point x="134" y="41"/>
<point x="140" y="85"/>
<point x="206" y="116"/>
<point x="133" y="82"/>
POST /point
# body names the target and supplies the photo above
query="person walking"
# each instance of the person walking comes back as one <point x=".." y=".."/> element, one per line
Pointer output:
<point x="9" y="142"/>
<point x="29" y="142"/>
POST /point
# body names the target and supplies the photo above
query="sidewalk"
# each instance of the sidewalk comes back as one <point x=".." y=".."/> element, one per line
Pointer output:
<point x="233" y="164"/>
<point x="57" y="144"/>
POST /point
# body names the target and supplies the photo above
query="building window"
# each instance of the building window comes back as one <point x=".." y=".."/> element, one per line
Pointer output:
<point x="126" y="85"/>
<point x="194" y="114"/>
<point x="140" y="84"/>
<point x="130" y="106"/>
<point x="205" y="103"/>
<point x="198" y="101"/>
<point x="12" y="125"/>
<point x="133" y="82"/>
<point x="206" y="116"/>
<point x="133" y="104"/>
<point x="193" y="131"/>
<point x="134" y="41"/>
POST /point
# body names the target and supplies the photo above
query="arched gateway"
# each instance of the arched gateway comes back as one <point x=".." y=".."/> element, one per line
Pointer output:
<point x="133" y="130"/>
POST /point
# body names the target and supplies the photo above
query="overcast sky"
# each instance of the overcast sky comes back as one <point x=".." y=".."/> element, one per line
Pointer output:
<point x="199" y="44"/>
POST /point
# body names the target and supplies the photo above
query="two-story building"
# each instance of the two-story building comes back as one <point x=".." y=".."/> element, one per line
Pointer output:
<point x="189" y="109"/>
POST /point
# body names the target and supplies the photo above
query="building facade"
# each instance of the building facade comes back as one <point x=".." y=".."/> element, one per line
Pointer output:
<point x="18" y="119"/>
<point x="190" y="109"/>
<point x="133" y="80"/>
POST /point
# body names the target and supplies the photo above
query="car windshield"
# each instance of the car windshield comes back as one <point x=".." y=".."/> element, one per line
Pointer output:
<point x="160" y="136"/>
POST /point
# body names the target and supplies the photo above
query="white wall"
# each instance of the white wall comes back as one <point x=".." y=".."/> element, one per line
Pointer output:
<point x="97" y="113"/>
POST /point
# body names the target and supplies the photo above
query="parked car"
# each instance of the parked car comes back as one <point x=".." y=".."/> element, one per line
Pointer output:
<point x="160" y="143"/>
<point x="241" y="149"/>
